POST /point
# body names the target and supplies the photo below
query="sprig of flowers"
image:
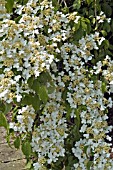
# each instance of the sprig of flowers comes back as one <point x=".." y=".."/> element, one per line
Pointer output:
<point x="40" y="41"/>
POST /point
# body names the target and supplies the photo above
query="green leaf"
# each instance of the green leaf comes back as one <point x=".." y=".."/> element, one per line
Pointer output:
<point x="109" y="52"/>
<point x="106" y="26"/>
<point x="2" y="107"/>
<point x="107" y="9"/>
<point x="43" y="94"/>
<point x="18" y="18"/>
<point x="93" y="20"/>
<point x="27" y="99"/>
<point x="26" y="149"/>
<point x="77" y="4"/>
<point x="77" y="118"/>
<point x="87" y="20"/>
<point x="30" y="81"/>
<point x="49" y="78"/>
<point x="44" y="77"/>
<point x="64" y="94"/>
<point x="85" y="149"/>
<point x="76" y="133"/>
<point x="36" y="103"/>
<point x="36" y="86"/>
<point x="51" y="88"/>
<point x="112" y="26"/>
<point x="89" y="165"/>
<point x="30" y="99"/>
<point x="17" y="142"/>
<point x="68" y="168"/>
<point x="104" y="33"/>
<point x="106" y="44"/>
<point x="55" y="4"/>
<point x="78" y="34"/>
<point x="25" y="2"/>
<point x="68" y="110"/>
<point x="9" y="5"/>
<point x="76" y="26"/>
<point x="8" y="107"/>
<point x="28" y="166"/>
<point x="110" y="46"/>
<point x="65" y="10"/>
<point x="71" y="160"/>
<point x="22" y="2"/>
<point x="3" y="121"/>
<point x="83" y="24"/>
<point x="1" y="69"/>
<point x="89" y="1"/>
<point x="103" y="87"/>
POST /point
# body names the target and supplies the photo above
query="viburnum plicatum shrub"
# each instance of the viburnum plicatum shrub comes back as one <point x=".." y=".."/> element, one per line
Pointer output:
<point x="55" y="69"/>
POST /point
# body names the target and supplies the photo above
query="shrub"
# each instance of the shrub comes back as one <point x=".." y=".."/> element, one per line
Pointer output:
<point x="56" y="78"/>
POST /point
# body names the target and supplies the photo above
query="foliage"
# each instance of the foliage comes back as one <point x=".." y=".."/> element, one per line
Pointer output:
<point x="56" y="79"/>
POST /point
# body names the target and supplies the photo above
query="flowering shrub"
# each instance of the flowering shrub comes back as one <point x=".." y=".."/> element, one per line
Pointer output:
<point x="55" y="69"/>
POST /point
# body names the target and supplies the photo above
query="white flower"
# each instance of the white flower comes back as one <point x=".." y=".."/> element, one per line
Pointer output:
<point x="108" y="138"/>
<point x="101" y="40"/>
<point x="49" y="30"/>
<point x="36" y="166"/>
<point x="83" y="128"/>
<point x="3" y="93"/>
<point x="19" y="97"/>
<point x="17" y="77"/>
<point x="11" y="125"/>
<point x="111" y="82"/>
<point x="20" y="118"/>
<point x="77" y="18"/>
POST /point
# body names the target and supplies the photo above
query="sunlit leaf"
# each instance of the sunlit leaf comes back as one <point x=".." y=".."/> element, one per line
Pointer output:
<point x="3" y="121"/>
<point x="17" y="142"/>
<point x="43" y="94"/>
<point x="26" y="149"/>
<point x="9" y="5"/>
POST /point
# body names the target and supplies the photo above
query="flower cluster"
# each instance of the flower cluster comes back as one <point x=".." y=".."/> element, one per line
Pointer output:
<point x="48" y="138"/>
<point x="25" y="120"/>
<point x="3" y="13"/>
<point x="86" y="96"/>
<point x="101" y="17"/>
<point x="43" y="40"/>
